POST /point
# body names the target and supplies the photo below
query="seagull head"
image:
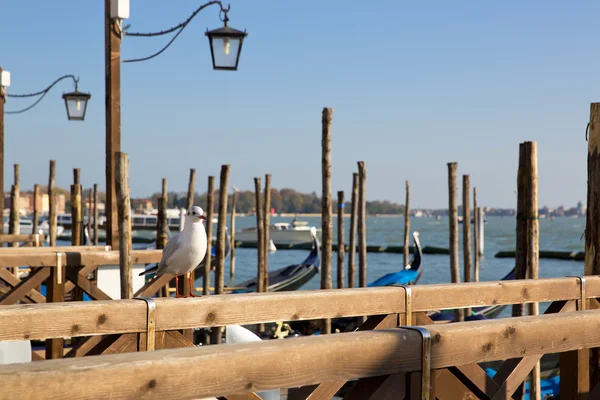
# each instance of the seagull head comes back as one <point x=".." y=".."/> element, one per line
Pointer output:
<point x="195" y="214"/>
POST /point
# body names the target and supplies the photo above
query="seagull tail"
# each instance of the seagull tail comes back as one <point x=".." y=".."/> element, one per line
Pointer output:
<point x="151" y="270"/>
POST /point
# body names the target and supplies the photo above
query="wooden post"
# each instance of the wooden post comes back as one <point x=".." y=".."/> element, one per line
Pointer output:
<point x="55" y="293"/>
<point x="466" y="189"/>
<point x="124" y="213"/>
<point x="340" y="237"/>
<point x="190" y="194"/>
<point x="90" y="201"/>
<point x="362" y="225"/>
<point x="2" y="100"/>
<point x="221" y="237"/>
<point x="260" y="280"/>
<point x="232" y="245"/>
<point x="76" y="222"/>
<point x="112" y="58"/>
<point x="95" y="214"/>
<point x="453" y="223"/>
<point x="267" y="224"/>
<point x="352" y="237"/>
<point x="210" y="206"/>
<point x="475" y="238"/>
<point x="521" y="226"/>
<point x="326" y="209"/>
<point x="14" y="226"/>
<point x="36" y="210"/>
<point x="162" y="226"/>
<point x="52" y="221"/>
<point x="76" y="217"/>
<point x="161" y="218"/>
<point x="407" y="224"/>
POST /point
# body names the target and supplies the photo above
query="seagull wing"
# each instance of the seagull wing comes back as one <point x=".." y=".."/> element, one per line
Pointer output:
<point x="167" y="253"/>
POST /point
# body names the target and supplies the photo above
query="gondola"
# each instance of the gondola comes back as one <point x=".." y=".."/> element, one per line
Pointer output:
<point x="291" y="277"/>
<point x="477" y="313"/>
<point x="409" y="275"/>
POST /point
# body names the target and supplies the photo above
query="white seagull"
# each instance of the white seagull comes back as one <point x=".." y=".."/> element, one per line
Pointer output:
<point x="184" y="252"/>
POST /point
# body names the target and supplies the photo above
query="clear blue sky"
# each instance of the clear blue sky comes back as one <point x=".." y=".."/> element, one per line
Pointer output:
<point x="413" y="85"/>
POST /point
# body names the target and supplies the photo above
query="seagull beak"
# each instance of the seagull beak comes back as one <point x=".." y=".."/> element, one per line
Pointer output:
<point x="202" y="217"/>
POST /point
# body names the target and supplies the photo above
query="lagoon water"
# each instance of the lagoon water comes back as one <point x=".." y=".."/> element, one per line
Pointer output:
<point x="555" y="234"/>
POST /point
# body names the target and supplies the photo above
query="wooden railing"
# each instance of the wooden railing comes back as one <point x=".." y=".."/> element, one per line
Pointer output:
<point x="28" y="240"/>
<point x="434" y="361"/>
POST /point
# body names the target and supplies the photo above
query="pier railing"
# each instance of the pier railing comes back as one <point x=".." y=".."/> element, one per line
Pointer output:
<point x="126" y="326"/>
<point x="63" y="269"/>
<point x="427" y="362"/>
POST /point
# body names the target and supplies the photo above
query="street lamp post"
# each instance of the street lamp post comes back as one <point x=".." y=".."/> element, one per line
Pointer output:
<point x="75" y="103"/>
<point x="4" y="82"/>
<point x="225" y="46"/>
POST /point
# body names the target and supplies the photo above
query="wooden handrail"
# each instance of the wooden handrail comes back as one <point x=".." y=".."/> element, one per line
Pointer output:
<point x="76" y="257"/>
<point x="10" y="238"/>
<point x="23" y="251"/>
<point x="55" y="320"/>
<point x="249" y="367"/>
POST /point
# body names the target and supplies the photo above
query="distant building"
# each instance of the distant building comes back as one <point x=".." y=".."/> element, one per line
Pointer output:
<point x="26" y="203"/>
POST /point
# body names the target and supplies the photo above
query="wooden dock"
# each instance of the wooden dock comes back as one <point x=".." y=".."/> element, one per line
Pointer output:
<point x="111" y="331"/>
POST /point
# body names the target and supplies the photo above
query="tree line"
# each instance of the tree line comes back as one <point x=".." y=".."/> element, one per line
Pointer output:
<point x="284" y="200"/>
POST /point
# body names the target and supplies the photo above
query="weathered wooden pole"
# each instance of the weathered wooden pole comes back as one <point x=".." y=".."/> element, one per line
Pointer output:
<point x="76" y="214"/>
<point x="532" y="250"/>
<point x="340" y="238"/>
<point x="521" y="226"/>
<point x="95" y="214"/>
<point x="76" y="222"/>
<point x="124" y="218"/>
<point x="14" y="226"/>
<point x="161" y="218"/>
<point x="352" y="237"/>
<point x="221" y="237"/>
<point x="407" y="224"/>
<point x="362" y="224"/>
<point x="326" y="208"/>
<point x="112" y="64"/>
<point x="232" y="234"/>
<point x="592" y="226"/>
<point x="210" y="206"/>
<point x="466" y="208"/>
<point x="266" y="226"/>
<point x="162" y="226"/>
<point x="191" y="184"/>
<point x="52" y="221"/>
<point x="260" y="279"/>
<point x="89" y="214"/>
<point x="475" y="237"/>
<point x="2" y="100"/>
<point x="453" y="223"/>
<point x="36" y="209"/>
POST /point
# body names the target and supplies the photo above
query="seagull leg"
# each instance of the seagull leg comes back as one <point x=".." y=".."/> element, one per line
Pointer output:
<point x="191" y="280"/>
<point x="177" y="287"/>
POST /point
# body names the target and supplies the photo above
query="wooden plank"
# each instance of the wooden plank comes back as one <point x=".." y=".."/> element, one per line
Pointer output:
<point x="574" y="374"/>
<point x="13" y="281"/>
<point x="85" y="271"/>
<point x="74" y="258"/>
<point x="150" y="288"/>
<point x="25" y="287"/>
<point x="51" y="249"/>
<point x="390" y="387"/>
<point x="475" y="294"/>
<point x="83" y="346"/>
<point x="328" y="389"/>
<point x="206" y="371"/>
<point x="81" y="281"/>
<point x="4" y="238"/>
<point x="55" y="293"/>
<point x="124" y="316"/>
<point x="451" y="388"/>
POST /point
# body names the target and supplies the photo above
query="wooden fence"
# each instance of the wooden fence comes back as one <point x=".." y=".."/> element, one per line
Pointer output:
<point x="126" y="326"/>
